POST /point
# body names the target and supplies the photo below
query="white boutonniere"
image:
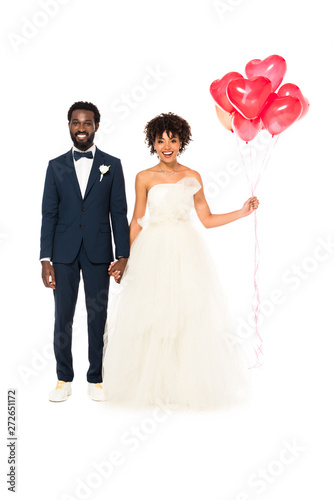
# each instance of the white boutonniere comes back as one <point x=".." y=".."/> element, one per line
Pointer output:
<point x="104" y="169"/>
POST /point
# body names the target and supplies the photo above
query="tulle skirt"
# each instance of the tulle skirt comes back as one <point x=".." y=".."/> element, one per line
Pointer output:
<point x="169" y="339"/>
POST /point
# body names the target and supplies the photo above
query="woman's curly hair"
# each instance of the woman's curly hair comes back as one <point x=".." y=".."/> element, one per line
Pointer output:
<point x="171" y="124"/>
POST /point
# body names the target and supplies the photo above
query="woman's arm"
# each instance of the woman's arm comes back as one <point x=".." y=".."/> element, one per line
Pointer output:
<point x="215" y="220"/>
<point x="140" y="205"/>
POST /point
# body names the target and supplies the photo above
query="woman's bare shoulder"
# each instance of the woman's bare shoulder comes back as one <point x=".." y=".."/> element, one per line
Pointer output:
<point x="144" y="175"/>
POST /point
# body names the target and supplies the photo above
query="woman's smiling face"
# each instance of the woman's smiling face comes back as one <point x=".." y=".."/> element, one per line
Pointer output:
<point x="167" y="147"/>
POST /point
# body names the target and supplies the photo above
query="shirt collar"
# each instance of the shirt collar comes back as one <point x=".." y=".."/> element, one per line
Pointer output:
<point x="92" y="149"/>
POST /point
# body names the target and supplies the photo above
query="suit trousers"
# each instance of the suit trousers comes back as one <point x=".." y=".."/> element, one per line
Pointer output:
<point x="96" y="287"/>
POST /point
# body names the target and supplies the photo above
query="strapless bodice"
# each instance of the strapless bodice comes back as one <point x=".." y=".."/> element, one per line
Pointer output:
<point x="171" y="202"/>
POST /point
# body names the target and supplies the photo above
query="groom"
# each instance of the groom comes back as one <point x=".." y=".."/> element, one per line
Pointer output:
<point x="84" y="190"/>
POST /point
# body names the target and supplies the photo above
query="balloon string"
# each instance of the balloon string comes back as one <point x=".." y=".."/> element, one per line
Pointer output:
<point x="258" y="349"/>
<point x="256" y="307"/>
<point x="256" y="296"/>
<point x="266" y="158"/>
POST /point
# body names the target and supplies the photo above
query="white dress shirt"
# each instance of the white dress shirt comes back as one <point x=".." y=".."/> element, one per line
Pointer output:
<point x="83" y="167"/>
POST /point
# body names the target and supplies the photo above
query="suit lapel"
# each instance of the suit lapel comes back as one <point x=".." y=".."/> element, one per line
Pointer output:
<point x="71" y="173"/>
<point x="95" y="170"/>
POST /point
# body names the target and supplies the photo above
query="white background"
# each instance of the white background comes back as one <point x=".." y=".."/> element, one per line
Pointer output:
<point x="103" y="52"/>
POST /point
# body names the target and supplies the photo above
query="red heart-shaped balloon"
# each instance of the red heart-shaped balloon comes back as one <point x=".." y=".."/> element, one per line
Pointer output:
<point x="246" y="129"/>
<point x="218" y="90"/>
<point x="273" y="67"/>
<point x="281" y="113"/>
<point x="249" y="96"/>
<point x="293" y="90"/>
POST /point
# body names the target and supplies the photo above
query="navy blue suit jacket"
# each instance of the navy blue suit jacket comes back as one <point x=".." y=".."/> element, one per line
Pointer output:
<point x="68" y="219"/>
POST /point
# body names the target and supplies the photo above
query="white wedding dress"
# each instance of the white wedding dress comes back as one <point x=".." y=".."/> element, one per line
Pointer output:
<point x="168" y="338"/>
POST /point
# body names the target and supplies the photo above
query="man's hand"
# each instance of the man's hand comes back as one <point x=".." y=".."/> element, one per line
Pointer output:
<point x="48" y="275"/>
<point x="116" y="269"/>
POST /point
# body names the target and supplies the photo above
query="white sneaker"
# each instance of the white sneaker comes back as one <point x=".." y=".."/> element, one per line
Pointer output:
<point x="61" y="392"/>
<point x="96" y="392"/>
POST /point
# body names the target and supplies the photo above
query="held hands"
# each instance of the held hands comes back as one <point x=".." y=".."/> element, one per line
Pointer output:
<point x="249" y="206"/>
<point x="116" y="269"/>
<point x="48" y="275"/>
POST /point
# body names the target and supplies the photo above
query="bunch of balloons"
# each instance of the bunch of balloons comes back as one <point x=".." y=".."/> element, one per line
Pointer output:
<point x="248" y="105"/>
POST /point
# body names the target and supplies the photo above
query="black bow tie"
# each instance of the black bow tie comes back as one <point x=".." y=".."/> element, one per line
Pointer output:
<point x="79" y="154"/>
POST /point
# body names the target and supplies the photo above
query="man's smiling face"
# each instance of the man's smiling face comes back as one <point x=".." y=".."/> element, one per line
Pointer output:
<point x="82" y="128"/>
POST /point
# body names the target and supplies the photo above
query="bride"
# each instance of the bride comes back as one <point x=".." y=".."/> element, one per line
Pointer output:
<point x="169" y="340"/>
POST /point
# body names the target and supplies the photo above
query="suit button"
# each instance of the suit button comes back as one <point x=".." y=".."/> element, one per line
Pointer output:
<point x="80" y="225"/>
<point x="83" y="209"/>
